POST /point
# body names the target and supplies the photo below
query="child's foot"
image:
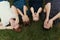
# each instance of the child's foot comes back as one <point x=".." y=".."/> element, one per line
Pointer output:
<point x="49" y="24"/>
<point x="15" y="25"/>
<point x="45" y="23"/>
<point x="35" y="17"/>
<point x="1" y="24"/>
<point x="25" y="19"/>
<point x="17" y="28"/>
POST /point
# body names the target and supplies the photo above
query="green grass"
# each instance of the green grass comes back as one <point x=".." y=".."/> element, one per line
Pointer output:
<point x="32" y="32"/>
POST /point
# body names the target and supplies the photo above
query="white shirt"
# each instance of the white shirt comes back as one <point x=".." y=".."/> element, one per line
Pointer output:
<point x="6" y="12"/>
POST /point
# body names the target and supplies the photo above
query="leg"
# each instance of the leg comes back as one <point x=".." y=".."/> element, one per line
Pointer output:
<point x="25" y="9"/>
<point x="47" y="10"/>
<point x="32" y="10"/>
<point x="25" y="17"/>
<point x="25" y="13"/>
<point x="39" y="10"/>
<point x="50" y="22"/>
<point x="15" y="11"/>
<point x="35" y="15"/>
<point x="3" y="27"/>
<point x="15" y="23"/>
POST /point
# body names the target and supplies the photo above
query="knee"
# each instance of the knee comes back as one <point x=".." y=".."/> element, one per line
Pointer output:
<point x="13" y="6"/>
<point x="48" y="4"/>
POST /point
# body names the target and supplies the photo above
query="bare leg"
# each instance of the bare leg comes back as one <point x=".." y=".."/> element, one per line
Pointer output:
<point x="25" y="17"/>
<point x="17" y="20"/>
<point x="15" y="11"/>
<point x="47" y="10"/>
<point x="15" y="23"/>
<point x="5" y="27"/>
<point x="50" y="22"/>
<point x="35" y="15"/>
<point x="39" y="10"/>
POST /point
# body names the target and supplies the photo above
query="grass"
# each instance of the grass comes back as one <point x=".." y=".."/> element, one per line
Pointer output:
<point x="32" y="32"/>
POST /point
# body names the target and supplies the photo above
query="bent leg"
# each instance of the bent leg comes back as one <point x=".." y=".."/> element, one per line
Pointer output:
<point x="47" y="10"/>
<point x="14" y="9"/>
<point x="50" y="23"/>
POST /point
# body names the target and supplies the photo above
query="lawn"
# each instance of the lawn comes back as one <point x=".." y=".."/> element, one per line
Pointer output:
<point x="34" y="31"/>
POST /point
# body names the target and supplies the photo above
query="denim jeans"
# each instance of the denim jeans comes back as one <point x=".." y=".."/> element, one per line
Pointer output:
<point x="19" y="4"/>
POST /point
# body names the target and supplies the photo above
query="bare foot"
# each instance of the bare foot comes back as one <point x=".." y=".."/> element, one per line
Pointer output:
<point x="25" y="19"/>
<point x="35" y="17"/>
<point x="49" y="24"/>
<point x="17" y="28"/>
<point x="45" y="23"/>
<point x="15" y="25"/>
<point x="1" y="24"/>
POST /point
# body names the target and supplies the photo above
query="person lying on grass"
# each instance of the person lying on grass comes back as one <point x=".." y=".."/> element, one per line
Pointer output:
<point x="52" y="10"/>
<point x="24" y="15"/>
<point x="35" y="15"/>
<point x="8" y="16"/>
<point x="22" y="10"/>
<point x="36" y="8"/>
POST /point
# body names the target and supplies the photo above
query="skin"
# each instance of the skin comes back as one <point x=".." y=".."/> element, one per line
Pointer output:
<point x="25" y="17"/>
<point x="47" y="10"/>
<point x="48" y="23"/>
<point x="35" y="15"/>
<point x="14" y="23"/>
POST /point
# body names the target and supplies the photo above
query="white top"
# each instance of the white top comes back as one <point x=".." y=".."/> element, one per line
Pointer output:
<point x="6" y="12"/>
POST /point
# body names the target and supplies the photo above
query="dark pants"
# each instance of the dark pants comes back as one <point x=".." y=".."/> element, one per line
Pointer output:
<point x="54" y="11"/>
<point x="19" y="4"/>
<point x="36" y="4"/>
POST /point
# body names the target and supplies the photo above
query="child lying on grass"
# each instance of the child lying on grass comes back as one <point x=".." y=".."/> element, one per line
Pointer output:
<point x="22" y="10"/>
<point x="35" y="15"/>
<point x="36" y="8"/>
<point x="52" y="10"/>
<point x="8" y="15"/>
<point x="24" y="15"/>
